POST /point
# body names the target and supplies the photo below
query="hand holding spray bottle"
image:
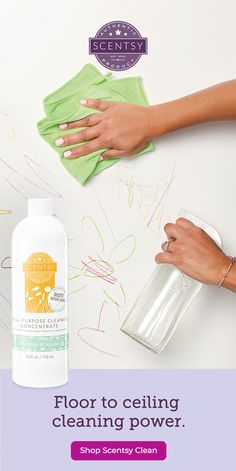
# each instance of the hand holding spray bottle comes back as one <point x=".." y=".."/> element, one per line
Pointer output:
<point x="164" y="300"/>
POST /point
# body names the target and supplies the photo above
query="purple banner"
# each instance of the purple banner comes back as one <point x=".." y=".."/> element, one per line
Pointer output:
<point x="122" y="45"/>
<point x="192" y="411"/>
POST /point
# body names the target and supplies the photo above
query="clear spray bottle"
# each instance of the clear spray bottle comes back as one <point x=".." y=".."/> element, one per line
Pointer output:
<point x="164" y="300"/>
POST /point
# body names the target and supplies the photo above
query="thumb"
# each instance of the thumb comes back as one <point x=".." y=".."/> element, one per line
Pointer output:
<point x="164" y="257"/>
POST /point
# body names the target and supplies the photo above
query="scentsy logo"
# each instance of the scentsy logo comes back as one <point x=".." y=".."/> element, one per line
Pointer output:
<point x="118" y="45"/>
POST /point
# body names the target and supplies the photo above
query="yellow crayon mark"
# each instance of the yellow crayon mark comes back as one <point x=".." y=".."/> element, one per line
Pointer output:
<point x="3" y="212"/>
<point x="113" y="300"/>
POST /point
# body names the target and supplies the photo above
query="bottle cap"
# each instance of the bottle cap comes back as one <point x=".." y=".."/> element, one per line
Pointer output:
<point x="40" y="207"/>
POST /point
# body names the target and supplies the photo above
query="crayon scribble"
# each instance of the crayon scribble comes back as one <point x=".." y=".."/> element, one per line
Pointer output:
<point x="4" y="212"/>
<point x="163" y="196"/>
<point x="149" y="200"/>
<point x="11" y="133"/>
<point x="5" y="263"/>
<point x="11" y="175"/>
<point x="100" y="265"/>
<point x="4" y="315"/>
<point x="97" y="333"/>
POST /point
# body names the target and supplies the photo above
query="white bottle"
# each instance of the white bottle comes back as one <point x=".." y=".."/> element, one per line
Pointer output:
<point x="39" y="305"/>
<point x="164" y="300"/>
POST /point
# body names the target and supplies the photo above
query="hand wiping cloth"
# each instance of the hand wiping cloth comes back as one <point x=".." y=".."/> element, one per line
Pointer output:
<point x="63" y="106"/>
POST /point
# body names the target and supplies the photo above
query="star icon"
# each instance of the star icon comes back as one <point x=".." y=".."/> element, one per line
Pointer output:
<point x="118" y="32"/>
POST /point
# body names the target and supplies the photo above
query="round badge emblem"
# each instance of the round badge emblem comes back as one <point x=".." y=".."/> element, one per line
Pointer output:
<point x="118" y="45"/>
<point x="56" y="299"/>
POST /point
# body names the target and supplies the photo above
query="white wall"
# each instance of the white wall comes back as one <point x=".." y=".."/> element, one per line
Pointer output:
<point x="191" y="46"/>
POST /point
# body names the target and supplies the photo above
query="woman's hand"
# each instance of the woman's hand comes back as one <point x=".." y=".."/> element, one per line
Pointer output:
<point x="194" y="253"/>
<point x="125" y="129"/>
<point x="122" y="128"/>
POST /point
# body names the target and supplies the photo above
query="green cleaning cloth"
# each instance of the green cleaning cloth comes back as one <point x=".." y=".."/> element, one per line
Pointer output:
<point x="64" y="106"/>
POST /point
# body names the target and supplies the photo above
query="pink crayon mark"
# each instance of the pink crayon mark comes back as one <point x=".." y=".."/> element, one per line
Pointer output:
<point x="99" y="268"/>
<point x="100" y="316"/>
<point x="110" y="354"/>
<point x="103" y="264"/>
<point x="98" y="330"/>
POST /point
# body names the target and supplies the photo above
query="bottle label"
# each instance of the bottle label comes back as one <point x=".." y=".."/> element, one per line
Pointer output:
<point x="50" y="343"/>
<point x="40" y="324"/>
<point x="39" y="270"/>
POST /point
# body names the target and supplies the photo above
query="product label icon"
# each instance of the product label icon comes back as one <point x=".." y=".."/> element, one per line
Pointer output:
<point x="56" y="299"/>
<point x="118" y="45"/>
<point x="39" y="270"/>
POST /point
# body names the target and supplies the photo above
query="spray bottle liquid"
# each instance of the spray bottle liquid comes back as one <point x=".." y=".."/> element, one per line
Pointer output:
<point x="164" y="300"/>
<point x="39" y="311"/>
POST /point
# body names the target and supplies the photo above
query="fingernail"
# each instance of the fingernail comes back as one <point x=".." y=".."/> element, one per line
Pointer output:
<point x="100" y="158"/>
<point x="83" y="101"/>
<point x="59" y="141"/>
<point x="63" y="126"/>
<point x="67" y="153"/>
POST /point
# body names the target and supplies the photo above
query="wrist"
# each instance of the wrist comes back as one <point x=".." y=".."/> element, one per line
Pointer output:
<point x="166" y="117"/>
<point x="158" y="120"/>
